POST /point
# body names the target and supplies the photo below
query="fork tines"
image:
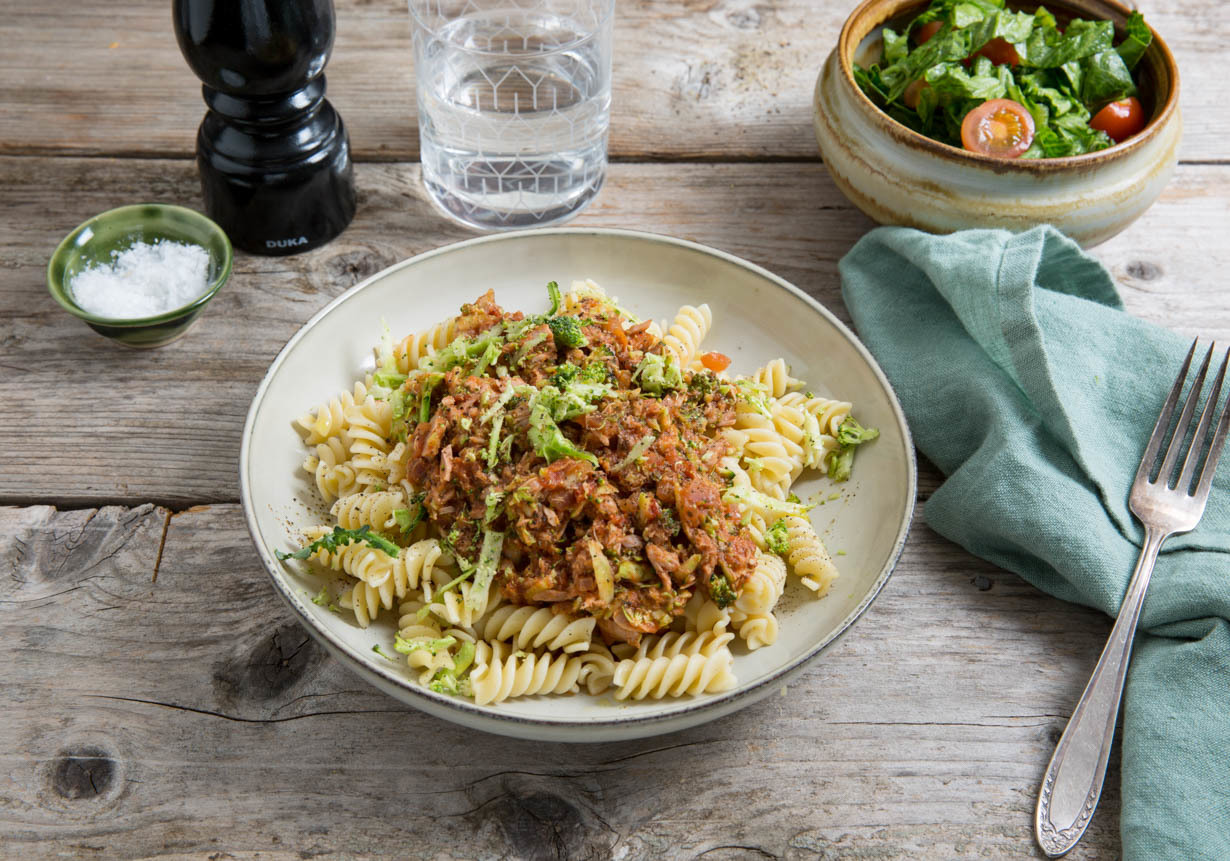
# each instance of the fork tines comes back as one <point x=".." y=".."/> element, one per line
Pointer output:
<point x="1205" y="446"/>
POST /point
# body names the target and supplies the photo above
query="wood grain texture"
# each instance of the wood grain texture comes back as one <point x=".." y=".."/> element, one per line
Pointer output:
<point x="712" y="79"/>
<point x="189" y="714"/>
<point x="92" y="422"/>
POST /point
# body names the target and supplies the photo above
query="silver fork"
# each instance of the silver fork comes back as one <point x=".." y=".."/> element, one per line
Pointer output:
<point x="1165" y="506"/>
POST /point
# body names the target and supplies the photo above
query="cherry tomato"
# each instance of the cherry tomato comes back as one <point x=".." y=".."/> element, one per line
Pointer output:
<point x="1120" y="119"/>
<point x="912" y="92"/>
<point x="715" y="361"/>
<point x="926" y="31"/>
<point x="999" y="51"/>
<point x="998" y="127"/>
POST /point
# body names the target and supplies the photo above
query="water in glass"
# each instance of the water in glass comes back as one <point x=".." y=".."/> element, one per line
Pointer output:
<point x="513" y="113"/>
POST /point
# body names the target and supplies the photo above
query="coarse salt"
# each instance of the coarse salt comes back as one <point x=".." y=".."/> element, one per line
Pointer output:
<point x="145" y="279"/>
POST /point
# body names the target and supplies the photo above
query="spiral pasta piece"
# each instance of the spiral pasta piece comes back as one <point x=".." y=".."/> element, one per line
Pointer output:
<point x="762" y="590"/>
<point x="764" y="455"/>
<point x="701" y="615"/>
<point x="358" y="559"/>
<point x="414" y="348"/>
<point x="413" y="630"/>
<point x="685" y="333"/>
<point x="672" y="643"/>
<point x="597" y="669"/>
<point x="329" y="419"/>
<point x="404" y="572"/>
<point x="500" y="673"/>
<point x="452" y="606"/>
<point x="370" y="425"/>
<point x="331" y="468"/>
<point x="756" y="629"/>
<point x="673" y="676"/>
<point x="375" y="510"/>
<point x="538" y="627"/>
<point x="808" y="557"/>
<point x="776" y="379"/>
<point x="829" y="413"/>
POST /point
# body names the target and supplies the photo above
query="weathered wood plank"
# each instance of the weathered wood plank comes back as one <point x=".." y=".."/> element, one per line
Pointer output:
<point x="725" y="79"/>
<point x="189" y="714"/>
<point x="90" y="421"/>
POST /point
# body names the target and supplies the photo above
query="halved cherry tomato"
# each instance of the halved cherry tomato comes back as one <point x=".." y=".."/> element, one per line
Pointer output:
<point x="715" y="361"/>
<point x="998" y="127"/>
<point x="926" y="31"/>
<point x="1120" y="119"/>
<point x="999" y="51"/>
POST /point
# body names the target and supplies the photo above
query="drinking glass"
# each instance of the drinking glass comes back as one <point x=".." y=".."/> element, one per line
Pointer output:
<point x="514" y="101"/>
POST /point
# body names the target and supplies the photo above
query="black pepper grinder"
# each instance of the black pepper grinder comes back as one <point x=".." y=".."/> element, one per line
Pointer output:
<point x="273" y="153"/>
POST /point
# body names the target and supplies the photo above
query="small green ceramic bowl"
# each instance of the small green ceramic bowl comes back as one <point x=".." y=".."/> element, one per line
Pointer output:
<point x="94" y="243"/>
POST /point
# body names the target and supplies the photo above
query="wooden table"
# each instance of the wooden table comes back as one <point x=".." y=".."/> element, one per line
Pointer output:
<point x="160" y="701"/>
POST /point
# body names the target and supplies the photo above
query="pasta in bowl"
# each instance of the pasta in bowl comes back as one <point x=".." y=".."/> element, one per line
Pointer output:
<point x="550" y="518"/>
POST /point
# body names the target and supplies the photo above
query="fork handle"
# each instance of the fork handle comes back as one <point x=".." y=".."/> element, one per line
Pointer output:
<point x="1074" y="777"/>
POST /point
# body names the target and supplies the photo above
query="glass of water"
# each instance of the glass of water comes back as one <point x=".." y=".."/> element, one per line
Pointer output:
<point x="514" y="100"/>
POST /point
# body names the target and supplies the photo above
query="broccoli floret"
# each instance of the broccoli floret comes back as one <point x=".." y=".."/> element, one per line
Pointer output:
<point x="775" y="538"/>
<point x="564" y="374"/>
<point x="720" y="591"/>
<point x="567" y="332"/>
<point x="702" y="383"/>
<point x="851" y="435"/>
<point x="596" y="372"/>
<point x="658" y="374"/>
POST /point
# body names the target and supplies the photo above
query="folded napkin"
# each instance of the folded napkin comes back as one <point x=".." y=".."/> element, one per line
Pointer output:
<point x="1027" y="384"/>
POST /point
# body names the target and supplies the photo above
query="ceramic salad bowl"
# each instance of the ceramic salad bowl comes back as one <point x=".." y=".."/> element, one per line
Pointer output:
<point x="899" y="176"/>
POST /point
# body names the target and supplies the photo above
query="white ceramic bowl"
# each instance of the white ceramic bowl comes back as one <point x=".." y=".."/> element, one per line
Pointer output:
<point x="898" y="176"/>
<point x="757" y="317"/>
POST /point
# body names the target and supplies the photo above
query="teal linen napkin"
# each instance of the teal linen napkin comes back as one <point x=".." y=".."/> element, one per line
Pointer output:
<point x="1027" y="384"/>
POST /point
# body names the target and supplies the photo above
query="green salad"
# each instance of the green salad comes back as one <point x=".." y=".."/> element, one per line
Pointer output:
<point x="974" y="74"/>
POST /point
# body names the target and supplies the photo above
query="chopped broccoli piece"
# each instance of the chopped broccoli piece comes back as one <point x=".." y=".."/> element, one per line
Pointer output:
<point x="564" y="374"/>
<point x="494" y="441"/>
<point x="340" y="537"/>
<point x="379" y="651"/>
<point x="658" y="374"/>
<point x="429" y="386"/>
<point x="527" y="345"/>
<point x="450" y="680"/>
<point x="422" y="644"/>
<point x="490" y="354"/>
<point x="398" y="401"/>
<point x="567" y="332"/>
<point x="669" y="521"/>
<point x="598" y="373"/>
<point x="755" y="394"/>
<point x="703" y="383"/>
<point x="554" y="295"/>
<point x="388" y="379"/>
<point x="720" y="591"/>
<point x="407" y="519"/>
<point x="752" y="498"/>
<point x="775" y="538"/>
<point x="322" y="597"/>
<point x="852" y="433"/>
